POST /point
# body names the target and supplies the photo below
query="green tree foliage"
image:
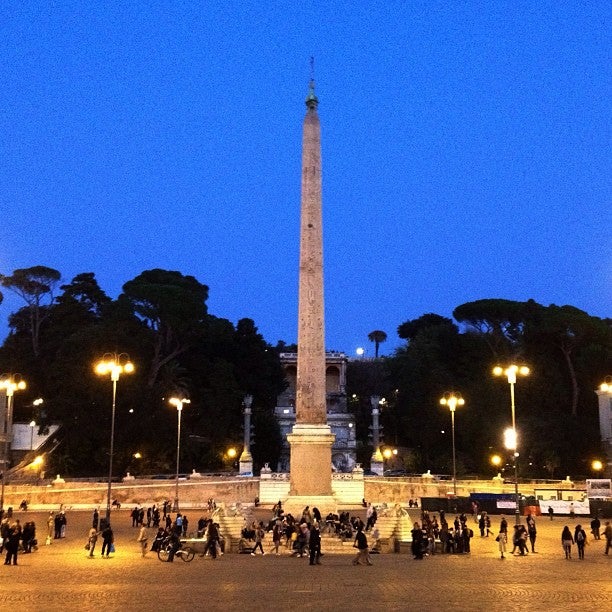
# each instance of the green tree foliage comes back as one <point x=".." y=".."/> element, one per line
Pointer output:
<point x="173" y="307"/>
<point x="161" y="321"/>
<point x="569" y="352"/>
<point x="36" y="286"/>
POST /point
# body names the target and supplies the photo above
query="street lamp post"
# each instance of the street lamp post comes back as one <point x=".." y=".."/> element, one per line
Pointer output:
<point x="32" y="426"/>
<point x="175" y="401"/>
<point x="452" y="400"/>
<point x="10" y="383"/>
<point x="511" y="440"/>
<point x="36" y="403"/>
<point x="246" y="459"/>
<point x="115" y="365"/>
<point x="604" y="400"/>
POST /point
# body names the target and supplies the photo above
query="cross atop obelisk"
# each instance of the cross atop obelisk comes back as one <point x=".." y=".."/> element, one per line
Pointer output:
<point x="311" y="438"/>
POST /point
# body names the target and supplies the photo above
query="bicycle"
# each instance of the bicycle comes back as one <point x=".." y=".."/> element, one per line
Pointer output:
<point x="186" y="553"/>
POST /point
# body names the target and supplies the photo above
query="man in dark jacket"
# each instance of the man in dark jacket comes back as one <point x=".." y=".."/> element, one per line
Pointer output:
<point x="314" y="544"/>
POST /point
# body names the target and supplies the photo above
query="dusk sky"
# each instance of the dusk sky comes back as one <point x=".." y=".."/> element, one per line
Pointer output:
<point x="466" y="152"/>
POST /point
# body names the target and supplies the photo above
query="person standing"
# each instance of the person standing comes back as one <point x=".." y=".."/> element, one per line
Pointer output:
<point x="57" y="526"/>
<point x="361" y="543"/>
<point x="417" y="541"/>
<point x="95" y="519"/>
<point x="566" y="541"/>
<point x="375" y="548"/>
<point x="50" y="528"/>
<point x="91" y="540"/>
<point x="482" y="522"/>
<point x="107" y="540"/>
<point x="466" y="534"/>
<point x="503" y="525"/>
<point x="314" y="544"/>
<point x="580" y="539"/>
<point x="63" y="523"/>
<point x="277" y="534"/>
<point x="27" y="536"/>
<point x="550" y="512"/>
<point x="134" y="516"/>
<point x="143" y="537"/>
<point x="212" y="538"/>
<point x="12" y="543"/>
<point x="595" y="527"/>
<point x="369" y="512"/>
<point x="532" y="531"/>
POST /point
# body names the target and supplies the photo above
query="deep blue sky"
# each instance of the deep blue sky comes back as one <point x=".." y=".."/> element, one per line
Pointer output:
<point x="466" y="152"/>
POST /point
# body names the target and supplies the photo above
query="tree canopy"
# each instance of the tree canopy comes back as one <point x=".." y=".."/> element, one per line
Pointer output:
<point x="161" y="320"/>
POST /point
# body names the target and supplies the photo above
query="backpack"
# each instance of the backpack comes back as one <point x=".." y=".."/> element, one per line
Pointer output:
<point x="579" y="536"/>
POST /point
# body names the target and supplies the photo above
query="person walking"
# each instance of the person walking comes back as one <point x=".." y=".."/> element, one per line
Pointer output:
<point x="361" y="543"/>
<point x="143" y="537"/>
<point x="608" y="535"/>
<point x="502" y="540"/>
<point x="259" y="536"/>
<point x="566" y="541"/>
<point x="581" y="539"/>
<point x="91" y="540"/>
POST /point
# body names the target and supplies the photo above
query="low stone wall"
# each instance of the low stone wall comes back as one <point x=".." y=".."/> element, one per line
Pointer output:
<point x="196" y="492"/>
<point x="192" y="493"/>
<point x="400" y="490"/>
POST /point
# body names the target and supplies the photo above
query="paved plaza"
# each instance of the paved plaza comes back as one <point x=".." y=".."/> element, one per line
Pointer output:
<point x="61" y="577"/>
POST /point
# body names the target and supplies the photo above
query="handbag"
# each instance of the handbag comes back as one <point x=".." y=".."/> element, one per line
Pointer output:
<point x="87" y="546"/>
<point x="111" y="548"/>
<point x="497" y="539"/>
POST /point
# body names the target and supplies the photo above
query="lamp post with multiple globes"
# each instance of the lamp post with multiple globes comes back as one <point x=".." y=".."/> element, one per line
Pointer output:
<point x="10" y="383"/>
<point x="510" y="437"/>
<point x="178" y="402"/>
<point x="452" y="400"/>
<point x="115" y="365"/>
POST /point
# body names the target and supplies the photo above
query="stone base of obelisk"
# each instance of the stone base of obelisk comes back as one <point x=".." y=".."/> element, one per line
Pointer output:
<point x="310" y="469"/>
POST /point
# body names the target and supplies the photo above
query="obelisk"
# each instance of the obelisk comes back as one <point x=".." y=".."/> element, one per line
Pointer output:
<point x="311" y="438"/>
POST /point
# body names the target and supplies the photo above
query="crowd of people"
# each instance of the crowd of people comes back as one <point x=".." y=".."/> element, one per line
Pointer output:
<point x="300" y="536"/>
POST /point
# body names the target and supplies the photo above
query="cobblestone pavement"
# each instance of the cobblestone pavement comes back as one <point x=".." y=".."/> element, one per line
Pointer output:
<point x="61" y="576"/>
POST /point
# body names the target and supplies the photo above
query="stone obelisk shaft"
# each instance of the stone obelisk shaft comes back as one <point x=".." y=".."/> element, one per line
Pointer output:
<point x="310" y="385"/>
<point x="311" y="438"/>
